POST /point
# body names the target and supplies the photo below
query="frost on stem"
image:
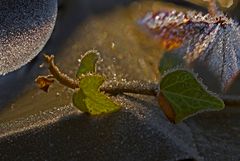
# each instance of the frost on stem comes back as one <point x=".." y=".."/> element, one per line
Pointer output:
<point x="137" y="87"/>
<point x="60" y="76"/>
<point x="44" y="82"/>
<point x="112" y="87"/>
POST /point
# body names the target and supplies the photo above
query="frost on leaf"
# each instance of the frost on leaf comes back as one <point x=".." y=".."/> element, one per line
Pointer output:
<point x="88" y="63"/>
<point x="182" y="96"/>
<point x="90" y="100"/>
<point x="211" y="40"/>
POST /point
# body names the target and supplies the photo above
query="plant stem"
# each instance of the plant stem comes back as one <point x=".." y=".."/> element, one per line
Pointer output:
<point x="116" y="87"/>
<point x="212" y="7"/>
<point x="137" y="87"/>
<point x="111" y="87"/>
<point x="58" y="75"/>
<point x="231" y="100"/>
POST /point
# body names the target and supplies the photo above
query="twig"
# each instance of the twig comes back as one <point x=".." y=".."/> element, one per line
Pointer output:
<point x="137" y="87"/>
<point x="60" y="76"/>
<point x="231" y="100"/>
<point x="212" y="7"/>
<point x="112" y="87"/>
<point x="116" y="87"/>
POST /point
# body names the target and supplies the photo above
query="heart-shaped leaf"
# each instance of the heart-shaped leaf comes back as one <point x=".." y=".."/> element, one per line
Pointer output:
<point x="90" y="100"/>
<point x="88" y="63"/>
<point x="212" y="40"/>
<point x="181" y="96"/>
<point x="170" y="61"/>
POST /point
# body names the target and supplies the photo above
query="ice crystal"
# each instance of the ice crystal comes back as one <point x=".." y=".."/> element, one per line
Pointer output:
<point x="211" y="40"/>
<point x="25" y="27"/>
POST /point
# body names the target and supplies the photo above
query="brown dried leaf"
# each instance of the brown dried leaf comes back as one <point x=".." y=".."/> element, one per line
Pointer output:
<point x="44" y="82"/>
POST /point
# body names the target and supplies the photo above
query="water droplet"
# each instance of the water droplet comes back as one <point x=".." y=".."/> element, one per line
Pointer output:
<point x="113" y="45"/>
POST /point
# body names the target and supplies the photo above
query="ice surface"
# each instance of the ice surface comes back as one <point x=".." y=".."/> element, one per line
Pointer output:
<point x="25" y="27"/>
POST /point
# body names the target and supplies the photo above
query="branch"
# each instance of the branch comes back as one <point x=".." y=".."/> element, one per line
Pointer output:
<point x="231" y="100"/>
<point x="60" y="76"/>
<point x="117" y="87"/>
<point x="212" y="7"/>
<point x="111" y="87"/>
<point x="137" y="87"/>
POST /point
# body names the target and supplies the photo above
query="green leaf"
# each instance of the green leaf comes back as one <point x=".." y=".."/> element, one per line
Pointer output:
<point x="88" y="63"/>
<point x="170" y="61"/>
<point x="182" y="95"/>
<point x="78" y="100"/>
<point x="90" y="100"/>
